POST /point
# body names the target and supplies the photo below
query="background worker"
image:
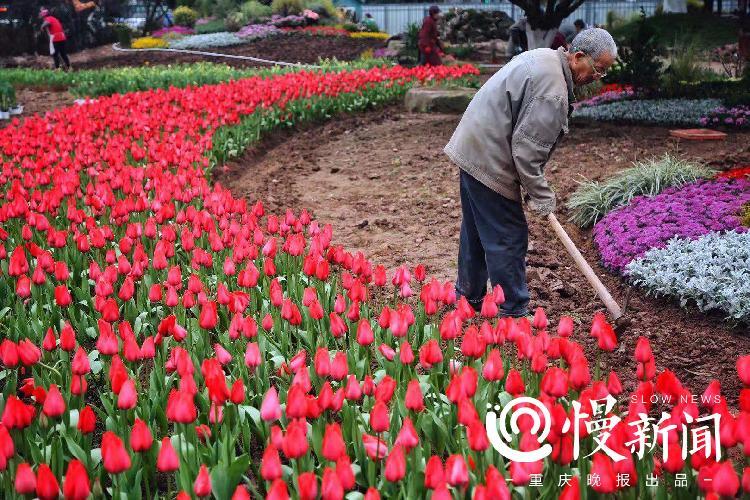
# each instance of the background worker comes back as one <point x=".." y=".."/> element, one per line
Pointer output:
<point x="429" y="44"/>
<point x="53" y="27"/>
<point x="501" y="146"/>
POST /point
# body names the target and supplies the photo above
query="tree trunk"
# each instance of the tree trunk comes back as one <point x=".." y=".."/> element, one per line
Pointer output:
<point x="539" y="38"/>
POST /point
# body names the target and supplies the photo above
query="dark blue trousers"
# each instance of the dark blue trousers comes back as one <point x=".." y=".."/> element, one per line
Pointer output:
<point x="494" y="241"/>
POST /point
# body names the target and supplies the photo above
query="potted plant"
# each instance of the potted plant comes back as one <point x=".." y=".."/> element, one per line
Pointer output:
<point x="7" y="99"/>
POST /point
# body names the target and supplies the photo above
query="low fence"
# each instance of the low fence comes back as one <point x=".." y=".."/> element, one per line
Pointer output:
<point x="394" y="18"/>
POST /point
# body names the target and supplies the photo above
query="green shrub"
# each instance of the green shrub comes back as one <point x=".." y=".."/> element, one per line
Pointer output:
<point x="638" y="64"/>
<point x="223" y="8"/>
<point x="254" y="11"/>
<point x="214" y="26"/>
<point x="185" y="16"/>
<point x="287" y="7"/>
<point x="7" y="96"/>
<point x="685" y="67"/>
<point x="324" y="8"/>
<point x="351" y="27"/>
<point x="593" y="200"/>
<point x="124" y="34"/>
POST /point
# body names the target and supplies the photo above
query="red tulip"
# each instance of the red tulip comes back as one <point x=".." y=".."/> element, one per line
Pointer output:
<point x="379" y="418"/>
<point x="493" y="367"/>
<point x="202" y="484"/>
<point x="365" y="336"/>
<point x="9" y="353"/>
<point x="80" y="363"/>
<point x="208" y="316"/>
<point x="47" y="486"/>
<point x="86" y="420"/>
<point x="333" y="442"/>
<point x="345" y="472"/>
<point x="54" y="405"/>
<point x="375" y="447"/>
<point x="602" y="466"/>
<point x="407" y="436"/>
<point x="28" y="353"/>
<point x="307" y="483"/>
<point x="62" y="296"/>
<point x="434" y="475"/>
<point x="395" y="465"/>
<point x="476" y="435"/>
<point x="277" y="491"/>
<point x="128" y="396"/>
<point x="181" y="407"/>
<point x="725" y="480"/>
<point x="331" y="488"/>
<point x="555" y="382"/>
<point x="76" y="484"/>
<point x="25" y="482"/>
<point x="116" y="459"/>
<point x="456" y="472"/>
<point x="743" y="369"/>
<point x="270" y="410"/>
<point x="140" y="437"/>
<point x="67" y="338"/>
<point x="514" y="383"/>
<point x="270" y="467"/>
<point x="295" y="440"/>
<point x="414" y="399"/>
<point x="167" y="460"/>
<point x="372" y="494"/>
<point x="565" y="326"/>
<point x="17" y="414"/>
<point x="241" y="493"/>
<point x="571" y="491"/>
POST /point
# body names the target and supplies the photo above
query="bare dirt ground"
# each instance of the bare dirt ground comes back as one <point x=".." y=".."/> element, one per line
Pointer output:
<point x="40" y="101"/>
<point x="384" y="184"/>
<point x="290" y="48"/>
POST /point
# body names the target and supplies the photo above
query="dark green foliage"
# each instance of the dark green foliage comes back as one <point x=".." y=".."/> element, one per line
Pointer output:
<point x="638" y="64"/>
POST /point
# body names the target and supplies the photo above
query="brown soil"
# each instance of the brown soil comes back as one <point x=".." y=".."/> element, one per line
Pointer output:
<point x="384" y="184"/>
<point x="35" y="101"/>
<point x="290" y="48"/>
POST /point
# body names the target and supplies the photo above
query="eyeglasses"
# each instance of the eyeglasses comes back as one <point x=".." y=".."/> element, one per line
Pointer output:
<point x="597" y="73"/>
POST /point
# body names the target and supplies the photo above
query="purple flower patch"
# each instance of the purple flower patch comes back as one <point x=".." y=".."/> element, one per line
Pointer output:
<point x="688" y="212"/>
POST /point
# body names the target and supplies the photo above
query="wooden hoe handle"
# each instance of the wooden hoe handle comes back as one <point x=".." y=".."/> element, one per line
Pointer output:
<point x="601" y="290"/>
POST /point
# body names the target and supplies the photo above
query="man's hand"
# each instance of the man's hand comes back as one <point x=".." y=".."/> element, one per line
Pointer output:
<point x="542" y="209"/>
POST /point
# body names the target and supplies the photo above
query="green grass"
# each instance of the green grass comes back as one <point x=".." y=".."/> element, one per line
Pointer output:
<point x="706" y="32"/>
<point x="593" y="200"/>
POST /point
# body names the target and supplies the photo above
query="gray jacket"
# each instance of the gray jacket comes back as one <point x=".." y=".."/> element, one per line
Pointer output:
<point x="513" y="124"/>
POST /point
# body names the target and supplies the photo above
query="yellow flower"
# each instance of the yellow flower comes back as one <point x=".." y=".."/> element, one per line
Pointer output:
<point x="148" y="42"/>
<point x="365" y="34"/>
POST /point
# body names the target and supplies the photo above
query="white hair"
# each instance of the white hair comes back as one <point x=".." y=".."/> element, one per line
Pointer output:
<point x="595" y="42"/>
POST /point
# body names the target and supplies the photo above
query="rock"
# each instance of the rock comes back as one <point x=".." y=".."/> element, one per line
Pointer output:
<point x="363" y="224"/>
<point x="437" y="100"/>
<point x="335" y="170"/>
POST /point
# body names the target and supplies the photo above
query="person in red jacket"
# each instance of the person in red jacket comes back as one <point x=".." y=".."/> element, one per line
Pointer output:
<point x="56" y="33"/>
<point x="429" y="44"/>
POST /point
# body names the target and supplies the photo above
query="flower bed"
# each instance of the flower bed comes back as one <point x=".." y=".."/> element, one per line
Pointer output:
<point x="687" y="112"/>
<point x="737" y="117"/>
<point x="207" y="41"/>
<point x="711" y="272"/>
<point x="736" y="173"/>
<point x="604" y="98"/>
<point x="173" y="30"/>
<point x="593" y="200"/>
<point x="368" y="34"/>
<point x="160" y="334"/>
<point x="148" y="42"/>
<point x="258" y="31"/>
<point x="650" y="222"/>
<point x="318" y="31"/>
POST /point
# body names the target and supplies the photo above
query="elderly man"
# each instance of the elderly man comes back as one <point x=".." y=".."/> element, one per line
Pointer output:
<point x="501" y="145"/>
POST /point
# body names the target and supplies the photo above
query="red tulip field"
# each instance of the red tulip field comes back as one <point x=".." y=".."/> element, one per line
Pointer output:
<point x="162" y="335"/>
